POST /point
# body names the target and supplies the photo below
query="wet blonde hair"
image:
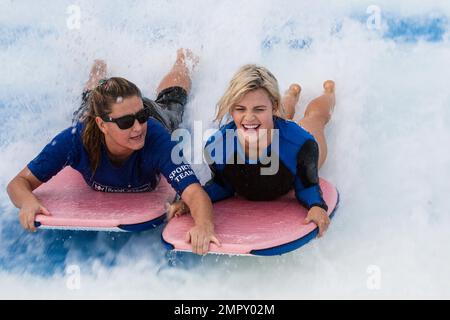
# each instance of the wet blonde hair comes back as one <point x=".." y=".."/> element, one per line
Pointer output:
<point x="100" y="102"/>
<point x="248" y="78"/>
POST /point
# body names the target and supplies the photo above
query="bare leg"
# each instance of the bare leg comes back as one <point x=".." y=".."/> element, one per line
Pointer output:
<point x="290" y="100"/>
<point x="179" y="75"/>
<point x="98" y="71"/>
<point x="317" y="114"/>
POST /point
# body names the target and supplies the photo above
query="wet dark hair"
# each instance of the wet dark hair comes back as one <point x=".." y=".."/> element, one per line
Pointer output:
<point x="100" y="102"/>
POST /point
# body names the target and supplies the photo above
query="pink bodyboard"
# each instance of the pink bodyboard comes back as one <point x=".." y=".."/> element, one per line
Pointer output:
<point x="255" y="227"/>
<point x="75" y="205"/>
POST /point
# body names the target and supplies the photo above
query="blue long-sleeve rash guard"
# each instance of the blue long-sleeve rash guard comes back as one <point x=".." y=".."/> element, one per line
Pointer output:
<point x="297" y="155"/>
<point x="139" y="173"/>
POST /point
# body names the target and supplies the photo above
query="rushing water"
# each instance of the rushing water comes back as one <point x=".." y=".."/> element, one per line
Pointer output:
<point x="388" y="140"/>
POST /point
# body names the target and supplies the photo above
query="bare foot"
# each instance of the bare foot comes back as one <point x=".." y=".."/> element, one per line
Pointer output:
<point x="290" y="99"/>
<point x="329" y="86"/>
<point x="187" y="54"/>
<point x="294" y="90"/>
<point x="98" y="72"/>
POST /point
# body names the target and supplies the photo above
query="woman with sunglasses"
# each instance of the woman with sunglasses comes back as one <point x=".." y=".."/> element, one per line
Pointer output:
<point x="118" y="147"/>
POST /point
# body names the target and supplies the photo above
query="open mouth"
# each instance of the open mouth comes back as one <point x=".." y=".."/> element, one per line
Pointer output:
<point x="137" y="138"/>
<point x="251" y="126"/>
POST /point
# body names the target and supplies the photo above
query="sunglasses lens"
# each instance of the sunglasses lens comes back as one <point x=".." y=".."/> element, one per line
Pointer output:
<point x="125" y="122"/>
<point x="142" y="116"/>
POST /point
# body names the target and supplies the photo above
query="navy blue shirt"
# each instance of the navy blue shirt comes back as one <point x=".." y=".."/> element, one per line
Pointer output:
<point x="297" y="153"/>
<point x="139" y="173"/>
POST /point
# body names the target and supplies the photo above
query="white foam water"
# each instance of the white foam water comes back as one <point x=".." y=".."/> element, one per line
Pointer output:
<point x="388" y="140"/>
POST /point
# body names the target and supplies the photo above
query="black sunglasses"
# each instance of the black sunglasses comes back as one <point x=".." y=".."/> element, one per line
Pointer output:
<point x="126" y="122"/>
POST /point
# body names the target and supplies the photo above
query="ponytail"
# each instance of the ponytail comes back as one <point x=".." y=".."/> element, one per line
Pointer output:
<point x="100" y="102"/>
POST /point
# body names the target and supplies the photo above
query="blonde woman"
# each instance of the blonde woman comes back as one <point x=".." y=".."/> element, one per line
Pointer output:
<point x="254" y="107"/>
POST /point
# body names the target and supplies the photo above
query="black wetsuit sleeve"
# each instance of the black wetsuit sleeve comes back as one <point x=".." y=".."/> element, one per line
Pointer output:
<point x="217" y="188"/>
<point x="307" y="188"/>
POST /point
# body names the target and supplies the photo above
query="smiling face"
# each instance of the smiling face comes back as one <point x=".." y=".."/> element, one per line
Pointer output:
<point x="122" y="143"/>
<point x="253" y="116"/>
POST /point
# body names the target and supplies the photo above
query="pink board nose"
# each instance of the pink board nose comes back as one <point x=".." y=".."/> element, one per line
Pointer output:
<point x="74" y="205"/>
<point x="255" y="227"/>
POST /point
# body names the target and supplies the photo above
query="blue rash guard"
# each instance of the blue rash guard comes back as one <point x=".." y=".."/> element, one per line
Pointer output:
<point x="297" y="153"/>
<point x="139" y="173"/>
